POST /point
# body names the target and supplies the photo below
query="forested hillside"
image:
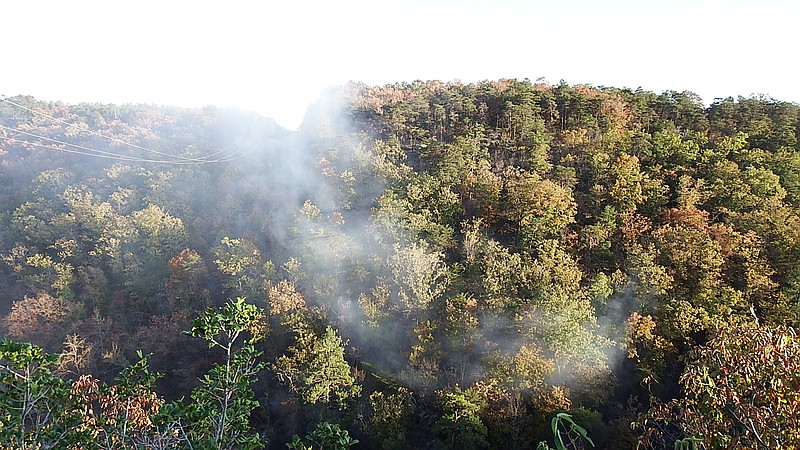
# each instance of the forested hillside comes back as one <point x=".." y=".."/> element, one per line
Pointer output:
<point x="422" y="265"/>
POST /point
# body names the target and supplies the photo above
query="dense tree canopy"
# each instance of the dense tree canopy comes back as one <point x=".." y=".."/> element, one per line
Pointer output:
<point x="421" y="265"/>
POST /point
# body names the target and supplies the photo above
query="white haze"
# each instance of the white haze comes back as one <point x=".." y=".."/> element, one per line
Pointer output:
<point x="276" y="57"/>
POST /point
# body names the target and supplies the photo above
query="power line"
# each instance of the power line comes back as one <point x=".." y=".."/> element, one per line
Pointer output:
<point x="83" y="150"/>
<point x="121" y="157"/>
<point x="67" y="150"/>
<point x="225" y="149"/>
<point x="98" y="152"/>
<point x="95" y="133"/>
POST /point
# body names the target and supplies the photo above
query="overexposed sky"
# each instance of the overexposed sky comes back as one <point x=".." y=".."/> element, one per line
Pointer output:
<point x="275" y="57"/>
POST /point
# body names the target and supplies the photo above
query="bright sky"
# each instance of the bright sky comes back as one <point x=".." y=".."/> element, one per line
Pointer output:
<point x="275" y="57"/>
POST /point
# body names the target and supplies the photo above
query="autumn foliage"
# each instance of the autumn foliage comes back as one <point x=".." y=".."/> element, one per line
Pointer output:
<point x="503" y="264"/>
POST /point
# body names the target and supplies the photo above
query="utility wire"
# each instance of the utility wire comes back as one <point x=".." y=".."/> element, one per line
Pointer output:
<point x="111" y="155"/>
<point x="120" y="158"/>
<point x="67" y="150"/>
<point x="98" y="152"/>
<point x="95" y="133"/>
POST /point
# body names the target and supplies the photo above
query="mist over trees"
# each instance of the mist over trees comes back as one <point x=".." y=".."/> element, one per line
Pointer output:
<point x="421" y="265"/>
